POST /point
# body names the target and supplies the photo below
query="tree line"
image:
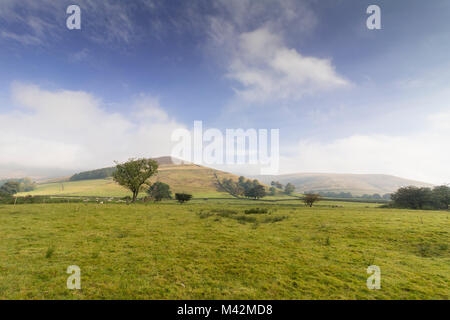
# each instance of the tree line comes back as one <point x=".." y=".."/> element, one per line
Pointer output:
<point x="349" y="195"/>
<point x="243" y="188"/>
<point x="13" y="186"/>
<point x="412" y="197"/>
<point x="94" y="174"/>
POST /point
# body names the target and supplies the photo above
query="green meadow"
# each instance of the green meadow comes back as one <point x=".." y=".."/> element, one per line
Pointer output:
<point x="215" y="250"/>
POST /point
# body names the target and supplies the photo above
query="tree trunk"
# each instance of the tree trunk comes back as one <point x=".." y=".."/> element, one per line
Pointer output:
<point x="134" y="197"/>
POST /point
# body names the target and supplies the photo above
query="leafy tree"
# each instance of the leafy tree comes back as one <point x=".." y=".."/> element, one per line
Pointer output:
<point x="387" y="196"/>
<point x="183" y="197"/>
<point x="10" y="187"/>
<point x="256" y="192"/>
<point x="272" y="191"/>
<point x="441" y="197"/>
<point x="134" y="173"/>
<point x="26" y="185"/>
<point x="243" y="187"/>
<point x="159" y="190"/>
<point x="231" y="187"/>
<point x="412" y="197"/>
<point x="276" y="184"/>
<point x="289" y="188"/>
<point x="311" y="198"/>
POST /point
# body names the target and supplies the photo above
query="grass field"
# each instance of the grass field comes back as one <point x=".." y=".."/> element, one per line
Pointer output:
<point x="213" y="250"/>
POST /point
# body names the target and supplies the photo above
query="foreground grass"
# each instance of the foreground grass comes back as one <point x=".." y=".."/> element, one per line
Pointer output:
<point x="213" y="250"/>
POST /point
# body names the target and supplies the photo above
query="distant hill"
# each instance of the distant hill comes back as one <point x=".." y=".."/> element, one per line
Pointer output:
<point x="356" y="184"/>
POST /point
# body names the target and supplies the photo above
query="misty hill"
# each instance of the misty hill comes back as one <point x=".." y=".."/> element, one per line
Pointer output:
<point x="356" y="184"/>
<point x="184" y="177"/>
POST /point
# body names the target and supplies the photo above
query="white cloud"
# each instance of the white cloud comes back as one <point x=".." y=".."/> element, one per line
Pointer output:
<point x="70" y="130"/>
<point x="79" y="56"/>
<point x="423" y="156"/>
<point x="268" y="70"/>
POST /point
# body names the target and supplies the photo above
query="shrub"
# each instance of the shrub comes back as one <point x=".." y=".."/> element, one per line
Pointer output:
<point x="256" y="211"/>
<point x="224" y="212"/>
<point x="183" y="197"/>
<point x="159" y="191"/>
<point x="274" y="219"/>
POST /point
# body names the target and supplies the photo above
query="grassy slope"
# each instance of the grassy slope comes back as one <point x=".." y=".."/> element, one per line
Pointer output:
<point x="200" y="182"/>
<point x="166" y="250"/>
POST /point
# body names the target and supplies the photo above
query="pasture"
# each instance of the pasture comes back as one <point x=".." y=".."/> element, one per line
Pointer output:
<point x="214" y="250"/>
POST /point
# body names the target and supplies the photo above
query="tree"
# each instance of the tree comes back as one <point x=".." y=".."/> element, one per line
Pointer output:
<point x="183" y="197"/>
<point x="134" y="173"/>
<point x="276" y="184"/>
<point x="272" y="191"/>
<point x="10" y="187"/>
<point x="412" y="197"/>
<point x="311" y="198"/>
<point x="243" y="187"/>
<point x="387" y="196"/>
<point x="253" y="189"/>
<point x="231" y="187"/>
<point x="159" y="191"/>
<point x="289" y="188"/>
<point x="258" y="191"/>
<point x="441" y="197"/>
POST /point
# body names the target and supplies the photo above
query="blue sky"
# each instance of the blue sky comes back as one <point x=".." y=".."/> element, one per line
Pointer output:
<point x="345" y="98"/>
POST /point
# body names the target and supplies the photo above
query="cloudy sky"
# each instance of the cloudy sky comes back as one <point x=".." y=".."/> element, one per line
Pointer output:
<point x="345" y="99"/>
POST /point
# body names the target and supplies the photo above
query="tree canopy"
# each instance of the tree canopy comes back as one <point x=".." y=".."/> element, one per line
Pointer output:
<point x="159" y="191"/>
<point x="311" y="198"/>
<point x="183" y="197"/>
<point x="289" y="188"/>
<point x="10" y="187"/>
<point x="244" y="187"/>
<point x="412" y="197"/>
<point x="134" y="173"/>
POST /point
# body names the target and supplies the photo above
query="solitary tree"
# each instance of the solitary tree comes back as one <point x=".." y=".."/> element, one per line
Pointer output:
<point x="159" y="191"/>
<point x="289" y="188"/>
<point x="311" y="198"/>
<point x="134" y="173"/>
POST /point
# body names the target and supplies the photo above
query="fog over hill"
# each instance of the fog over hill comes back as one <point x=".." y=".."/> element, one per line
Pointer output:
<point x="185" y="175"/>
<point x="357" y="184"/>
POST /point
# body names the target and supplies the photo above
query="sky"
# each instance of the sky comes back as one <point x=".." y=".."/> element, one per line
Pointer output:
<point x="345" y="99"/>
